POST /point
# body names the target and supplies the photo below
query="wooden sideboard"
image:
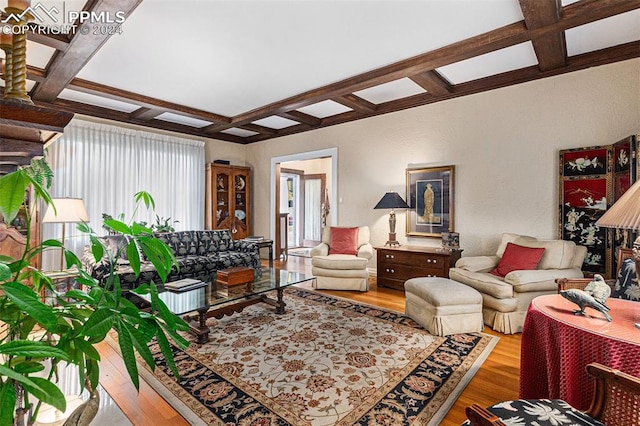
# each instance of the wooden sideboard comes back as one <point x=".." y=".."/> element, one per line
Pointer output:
<point x="398" y="264"/>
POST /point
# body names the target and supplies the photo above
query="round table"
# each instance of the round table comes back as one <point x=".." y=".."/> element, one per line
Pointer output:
<point x="557" y="345"/>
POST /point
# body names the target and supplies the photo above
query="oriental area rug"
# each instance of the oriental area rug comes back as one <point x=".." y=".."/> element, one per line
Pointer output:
<point x="326" y="361"/>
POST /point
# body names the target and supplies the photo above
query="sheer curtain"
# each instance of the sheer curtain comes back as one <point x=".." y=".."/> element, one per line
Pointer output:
<point x="106" y="165"/>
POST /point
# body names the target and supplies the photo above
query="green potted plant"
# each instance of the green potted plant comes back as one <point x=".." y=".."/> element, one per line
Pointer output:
<point x="39" y="336"/>
<point x="164" y="225"/>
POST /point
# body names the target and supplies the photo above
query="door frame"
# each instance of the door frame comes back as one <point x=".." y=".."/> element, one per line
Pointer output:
<point x="275" y="183"/>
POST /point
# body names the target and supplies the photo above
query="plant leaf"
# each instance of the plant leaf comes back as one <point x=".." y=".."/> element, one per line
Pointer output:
<point x="165" y="348"/>
<point x="30" y="348"/>
<point x="146" y="198"/>
<point x="7" y="402"/>
<point x="5" y="272"/>
<point x="41" y="388"/>
<point x="118" y="226"/>
<point x="12" y="188"/>
<point x="128" y="356"/>
<point x="27" y="300"/>
<point x="99" y="323"/>
<point x="46" y="391"/>
<point x="141" y="345"/>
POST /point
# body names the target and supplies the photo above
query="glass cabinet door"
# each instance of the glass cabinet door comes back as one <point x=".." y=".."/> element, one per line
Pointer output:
<point x="241" y="193"/>
<point x="223" y="202"/>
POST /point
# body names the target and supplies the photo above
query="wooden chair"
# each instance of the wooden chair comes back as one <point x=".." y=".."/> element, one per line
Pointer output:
<point x="615" y="401"/>
<point x="581" y="283"/>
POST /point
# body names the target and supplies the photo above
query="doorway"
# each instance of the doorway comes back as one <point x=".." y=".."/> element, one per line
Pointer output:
<point x="309" y="181"/>
<point x="304" y="197"/>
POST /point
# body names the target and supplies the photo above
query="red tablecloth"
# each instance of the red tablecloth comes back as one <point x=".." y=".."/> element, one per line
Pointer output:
<point x="557" y="345"/>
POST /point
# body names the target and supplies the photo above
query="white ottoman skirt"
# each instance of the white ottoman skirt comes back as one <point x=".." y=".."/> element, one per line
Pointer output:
<point x="443" y="306"/>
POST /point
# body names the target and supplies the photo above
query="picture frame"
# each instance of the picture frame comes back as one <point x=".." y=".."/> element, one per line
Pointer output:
<point x="430" y="196"/>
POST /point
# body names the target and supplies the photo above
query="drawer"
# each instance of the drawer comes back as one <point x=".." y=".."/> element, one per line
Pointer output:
<point x="391" y="283"/>
<point x="425" y="260"/>
<point x="404" y="272"/>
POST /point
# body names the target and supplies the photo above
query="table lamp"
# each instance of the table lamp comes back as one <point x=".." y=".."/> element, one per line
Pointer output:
<point x="67" y="210"/>
<point x="391" y="200"/>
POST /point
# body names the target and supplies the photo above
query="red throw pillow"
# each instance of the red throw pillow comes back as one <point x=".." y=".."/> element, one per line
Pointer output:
<point x="343" y="241"/>
<point x="518" y="258"/>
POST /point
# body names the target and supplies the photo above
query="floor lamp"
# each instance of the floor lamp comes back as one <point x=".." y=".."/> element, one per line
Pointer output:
<point x="67" y="210"/>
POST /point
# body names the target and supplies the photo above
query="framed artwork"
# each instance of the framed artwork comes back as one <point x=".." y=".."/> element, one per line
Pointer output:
<point x="430" y="200"/>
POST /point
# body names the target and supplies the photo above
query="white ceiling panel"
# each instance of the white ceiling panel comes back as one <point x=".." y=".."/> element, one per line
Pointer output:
<point x="229" y="57"/>
<point x="87" y="98"/>
<point x="608" y="32"/>
<point x="275" y="122"/>
<point x="324" y="109"/>
<point x="38" y="55"/>
<point x="390" y="91"/>
<point x="181" y="119"/>
<point x="511" y="58"/>
<point x="239" y="132"/>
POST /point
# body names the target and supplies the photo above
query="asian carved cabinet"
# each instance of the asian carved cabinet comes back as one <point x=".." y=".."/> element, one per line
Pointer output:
<point x="228" y="199"/>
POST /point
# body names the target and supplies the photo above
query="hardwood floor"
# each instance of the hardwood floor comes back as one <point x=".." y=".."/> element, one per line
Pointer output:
<point x="496" y="380"/>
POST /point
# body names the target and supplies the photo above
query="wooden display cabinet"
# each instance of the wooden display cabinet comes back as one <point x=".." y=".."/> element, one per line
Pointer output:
<point x="228" y="199"/>
<point x="398" y="264"/>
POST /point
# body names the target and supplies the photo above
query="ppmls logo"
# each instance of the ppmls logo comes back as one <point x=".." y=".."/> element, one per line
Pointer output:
<point x="33" y="11"/>
<point x="51" y="20"/>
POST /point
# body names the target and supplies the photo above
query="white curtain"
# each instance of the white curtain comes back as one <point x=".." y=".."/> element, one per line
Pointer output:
<point x="106" y="165"/>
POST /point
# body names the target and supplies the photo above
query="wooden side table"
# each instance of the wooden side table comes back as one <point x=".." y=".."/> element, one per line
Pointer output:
<point x="398" y="264"/>
<point x="268" y="244"/>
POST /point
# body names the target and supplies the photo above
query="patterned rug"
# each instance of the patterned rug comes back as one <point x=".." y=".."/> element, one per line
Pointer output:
<point x="326" y="361"/>
<point x="300" y="252"/>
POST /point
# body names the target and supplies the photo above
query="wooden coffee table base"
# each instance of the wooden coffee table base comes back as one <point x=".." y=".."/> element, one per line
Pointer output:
<point x="198" y="322"/>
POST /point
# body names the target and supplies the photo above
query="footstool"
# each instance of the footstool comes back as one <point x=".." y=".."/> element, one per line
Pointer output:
<point x="443" y="306"/>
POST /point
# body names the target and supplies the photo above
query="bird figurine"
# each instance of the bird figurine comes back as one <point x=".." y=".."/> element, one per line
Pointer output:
<point x="584" y="300"/>
<point x="599" y="289"/>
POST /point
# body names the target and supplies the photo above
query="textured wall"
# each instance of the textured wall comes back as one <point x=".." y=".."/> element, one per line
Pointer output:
<point x="503" y="143"/>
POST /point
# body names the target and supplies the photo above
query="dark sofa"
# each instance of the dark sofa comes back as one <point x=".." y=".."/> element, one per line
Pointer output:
<point x="199" y="254"/>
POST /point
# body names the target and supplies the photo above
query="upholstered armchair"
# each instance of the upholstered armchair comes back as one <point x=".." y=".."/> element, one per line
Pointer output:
<point x="341" y="261"/>
<point x="521" y="269"/>
<point x="614" y="402"/>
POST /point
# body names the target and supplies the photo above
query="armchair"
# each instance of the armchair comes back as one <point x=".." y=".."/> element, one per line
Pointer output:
<point x="340" y="261"/>
<point x="506" y="297"/>
<point x="615" y="402"/>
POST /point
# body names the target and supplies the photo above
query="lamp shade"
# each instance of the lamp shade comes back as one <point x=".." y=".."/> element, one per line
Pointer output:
<point x="67" y="210"/>
<point x="391" y="200"/>
<point x="625" y="213"/>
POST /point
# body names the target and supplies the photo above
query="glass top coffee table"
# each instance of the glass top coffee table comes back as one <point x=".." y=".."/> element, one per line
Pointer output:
<point x="197" y="304"/>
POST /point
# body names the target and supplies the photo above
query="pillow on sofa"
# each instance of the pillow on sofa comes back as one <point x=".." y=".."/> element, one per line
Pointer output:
<point x="518" y="258"/>
<point x="343" y="241"/>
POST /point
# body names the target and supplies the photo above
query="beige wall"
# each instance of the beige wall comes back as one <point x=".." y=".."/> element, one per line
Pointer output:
<point x="503" y="143"/>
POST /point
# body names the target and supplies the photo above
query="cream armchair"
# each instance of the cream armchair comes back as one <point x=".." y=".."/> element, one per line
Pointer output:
<point x="505" y="299"/>
<point x="342" y="271"/>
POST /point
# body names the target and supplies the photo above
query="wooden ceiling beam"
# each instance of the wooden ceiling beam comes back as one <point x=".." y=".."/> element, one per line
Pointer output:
<point x="433" y="82"/>
<point x="145" y="114"/>
<point x="356" y="103"/>
<point x="301" y="117"/>
<point x="260" y="129"/>
<point x="575" y="63"/>
<point x="15" y="160"/>
<point x="551" y="49"/>
<point x="574" y="15"/>
<point x="143" y="101"/>
<point x="66" y="64"/>
<point x="55" y="41"/>
<point x="31" y="149"/>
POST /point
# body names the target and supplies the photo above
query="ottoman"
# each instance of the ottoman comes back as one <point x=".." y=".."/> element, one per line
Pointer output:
<point x="443" y="306"/>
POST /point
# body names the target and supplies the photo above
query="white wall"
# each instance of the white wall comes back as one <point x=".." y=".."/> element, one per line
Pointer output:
<point x="503" y="143"/>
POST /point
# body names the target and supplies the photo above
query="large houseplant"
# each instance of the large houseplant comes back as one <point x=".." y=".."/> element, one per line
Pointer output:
<point x="38" y="336"/>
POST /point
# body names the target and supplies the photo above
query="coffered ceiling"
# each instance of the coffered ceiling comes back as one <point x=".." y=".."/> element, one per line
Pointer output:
<point x="246" y="71"/>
